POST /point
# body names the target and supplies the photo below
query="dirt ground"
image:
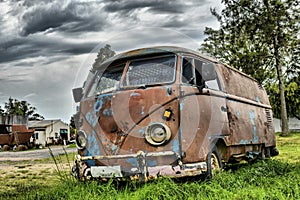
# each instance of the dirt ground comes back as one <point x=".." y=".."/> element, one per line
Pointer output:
<point x="33" y="154"/>
<point x="34" y="163"/>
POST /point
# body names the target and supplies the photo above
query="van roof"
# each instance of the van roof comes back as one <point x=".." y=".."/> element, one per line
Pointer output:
<point x="155" y="50"/>
<point x="162" y="50"/>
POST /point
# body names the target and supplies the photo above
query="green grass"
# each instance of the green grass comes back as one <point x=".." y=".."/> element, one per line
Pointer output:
<point x="277" y="178"/>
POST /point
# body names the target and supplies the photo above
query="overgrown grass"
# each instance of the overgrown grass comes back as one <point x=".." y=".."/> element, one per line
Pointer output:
<point x="277" y="178"/>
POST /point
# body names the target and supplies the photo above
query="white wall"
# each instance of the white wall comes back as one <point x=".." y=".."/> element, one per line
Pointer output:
<point x="55" y="128"/>
<point x="49" y="135"/>
<point x="294" y="124"/>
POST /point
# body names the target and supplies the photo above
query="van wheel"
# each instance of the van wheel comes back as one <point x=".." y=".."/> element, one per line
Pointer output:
<point x="214" y="163"/>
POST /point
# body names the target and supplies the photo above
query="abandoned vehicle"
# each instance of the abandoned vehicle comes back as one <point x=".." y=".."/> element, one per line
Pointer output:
<point x="168" y="111"/>
<point x="14" y="132"/>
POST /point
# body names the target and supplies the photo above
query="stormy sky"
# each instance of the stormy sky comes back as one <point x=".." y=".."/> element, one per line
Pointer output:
<point x="47" y="47"/>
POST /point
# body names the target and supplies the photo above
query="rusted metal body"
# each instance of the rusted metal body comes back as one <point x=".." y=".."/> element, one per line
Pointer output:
<point x="161" y="110"/>
<point x="13" y="131"/>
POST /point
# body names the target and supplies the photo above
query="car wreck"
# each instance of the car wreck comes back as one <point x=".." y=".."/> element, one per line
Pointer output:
<point x="168" y="111"/>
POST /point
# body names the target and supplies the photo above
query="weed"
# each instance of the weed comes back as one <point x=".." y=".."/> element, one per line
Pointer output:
<point x="276" y="178"/>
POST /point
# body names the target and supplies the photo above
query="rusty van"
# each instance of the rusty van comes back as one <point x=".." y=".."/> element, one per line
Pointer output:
<point x="168" y="111"/>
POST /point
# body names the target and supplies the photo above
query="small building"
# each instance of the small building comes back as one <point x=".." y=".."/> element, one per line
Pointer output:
<point x="294" y="125"/>
<point x="47" y="132"/>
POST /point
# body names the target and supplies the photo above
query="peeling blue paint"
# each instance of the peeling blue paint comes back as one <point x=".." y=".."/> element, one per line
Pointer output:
<point x="93" y="145"/>
<point x="92" y="118"/>
<point x="143" y="112"/>
<point x="107" y="112"/>
<point x="257" y="99"/>
<point x="181" y="105"/>
<point x="102" y="99"/>
<point x="92" y="148"/>
<point x="151" y="163"/>
<point x="252" y="118"/>
<point x="142" y="132"/>
<point x="114" y="148"/>
<point x="176" y="146"/>
<point x="132" y="161"/>
<point x="89" y="162"/>
<point x="238" y="114"/>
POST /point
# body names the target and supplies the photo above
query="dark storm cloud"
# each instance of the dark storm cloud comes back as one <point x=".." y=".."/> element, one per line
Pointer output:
<point x="72" y="17"/>
<point x="157" y="6"/>
<point x="22" y="48"/>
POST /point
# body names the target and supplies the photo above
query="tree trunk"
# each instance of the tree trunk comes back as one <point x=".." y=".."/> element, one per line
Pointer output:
<point x="284" y="118"/>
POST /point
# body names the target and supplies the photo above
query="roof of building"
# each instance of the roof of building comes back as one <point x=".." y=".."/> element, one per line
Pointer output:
<point x="42" y="123"/>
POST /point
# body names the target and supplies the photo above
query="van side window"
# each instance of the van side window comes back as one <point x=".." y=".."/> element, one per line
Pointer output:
<point x="210" y="76"/>
<point x="198" y="71"/>
<point x="188" y="71"/>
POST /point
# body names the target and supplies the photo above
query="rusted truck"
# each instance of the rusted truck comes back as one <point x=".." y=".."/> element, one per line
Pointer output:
<point x="14" y="131"/>
<point x="168" y="111"/>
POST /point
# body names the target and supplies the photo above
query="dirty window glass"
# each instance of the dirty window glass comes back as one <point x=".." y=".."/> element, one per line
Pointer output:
<point x="150" y="71"/>
<point x="210" y="76"/>
<point x="110" y="79"/>
<point x="188" y="71"/>
<point x="106" y="81"/>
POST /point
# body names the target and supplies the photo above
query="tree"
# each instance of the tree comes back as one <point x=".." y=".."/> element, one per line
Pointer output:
<point x="258" y="37"/>
<point x="292" y="93"/>
<point x="104" y="53"/>
<point x="1" y="111"/>
<point x="22" y="108"/>
<point x="72" y="126"/>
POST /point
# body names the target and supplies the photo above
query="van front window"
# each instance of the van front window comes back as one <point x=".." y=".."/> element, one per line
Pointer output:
<point x="150" y="71"/>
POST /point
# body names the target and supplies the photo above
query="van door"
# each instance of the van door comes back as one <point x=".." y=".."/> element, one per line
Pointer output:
<point x="203" y="108"/>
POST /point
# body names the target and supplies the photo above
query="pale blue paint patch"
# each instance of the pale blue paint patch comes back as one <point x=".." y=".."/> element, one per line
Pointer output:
<point x="142" y="132"/>
<point x="98" y="105"/>
<point x="107" y="112"/>
<point x="175" y="146"/>
<point x="93" y="145"/>
<point x="257" y="99"/>
<point x="92" y="148"/>
<point x="151" y="163"/>
<point x="89" y="162"/>
<point x="114" y="148"/>
<point x="132" y="161"/>
<point x="92" y="118"/>
<point x="238" y="114"/>
<point x="252" y="118"/>
<point x="102" y="99"/>
<point x="143" y="112"/>
<point x="181" y="105"/>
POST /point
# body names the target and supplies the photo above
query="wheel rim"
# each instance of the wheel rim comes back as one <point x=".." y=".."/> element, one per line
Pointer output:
<point x="215" y="165"/>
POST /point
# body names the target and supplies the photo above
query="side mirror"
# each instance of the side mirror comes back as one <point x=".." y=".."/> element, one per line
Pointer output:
<point x="77" y="94"/>
<point x="208" y="72"/>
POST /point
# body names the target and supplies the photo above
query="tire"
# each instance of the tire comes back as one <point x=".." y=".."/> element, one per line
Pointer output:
<point x="214" y="163"/>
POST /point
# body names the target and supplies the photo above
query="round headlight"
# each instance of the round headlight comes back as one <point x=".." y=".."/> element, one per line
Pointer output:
<point x="157" y="133"/>
<point x="81" y="140"/>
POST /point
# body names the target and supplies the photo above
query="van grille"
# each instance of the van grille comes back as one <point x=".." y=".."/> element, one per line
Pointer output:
<point x="269" y="118"/>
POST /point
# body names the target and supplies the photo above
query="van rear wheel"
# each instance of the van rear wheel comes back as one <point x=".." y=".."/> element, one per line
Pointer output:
<point x="214" y="163"/>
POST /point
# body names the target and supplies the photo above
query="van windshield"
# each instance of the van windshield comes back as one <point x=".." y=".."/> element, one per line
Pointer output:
<point x="155" y="70"/>
<point x="141" y="72"/>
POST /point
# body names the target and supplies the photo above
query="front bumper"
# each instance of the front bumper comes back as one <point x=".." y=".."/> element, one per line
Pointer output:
<point x="141" y="171"/>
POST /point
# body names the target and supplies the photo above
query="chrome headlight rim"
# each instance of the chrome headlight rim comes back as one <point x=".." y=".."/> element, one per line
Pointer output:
<point x="157" y="133"/>
<point x="81" y="136"/>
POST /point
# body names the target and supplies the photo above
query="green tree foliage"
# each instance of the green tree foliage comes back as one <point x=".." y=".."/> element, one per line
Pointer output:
<point x="104" y="53"/>
<point x="22" y="108"/>
<point x="72" y="126"/>
<point x="292" y="93"/>
<point x="260" y="38"/>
